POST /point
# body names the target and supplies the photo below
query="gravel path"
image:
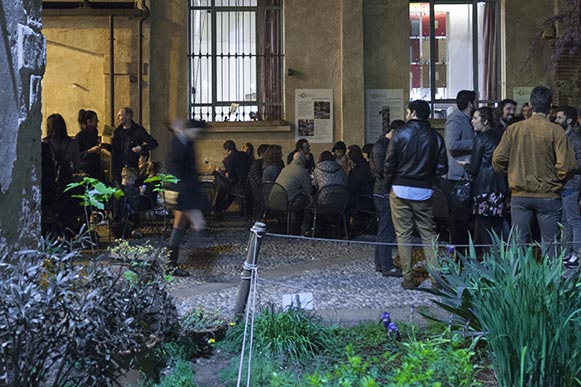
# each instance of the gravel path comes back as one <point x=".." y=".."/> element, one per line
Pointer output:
<point x="340" y="276"/>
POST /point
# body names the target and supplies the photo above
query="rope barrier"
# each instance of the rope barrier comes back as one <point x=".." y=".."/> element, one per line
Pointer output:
<point x="395" y="244"/>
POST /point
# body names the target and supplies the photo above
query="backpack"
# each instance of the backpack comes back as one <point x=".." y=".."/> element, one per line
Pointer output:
<point x="62" y="168"/>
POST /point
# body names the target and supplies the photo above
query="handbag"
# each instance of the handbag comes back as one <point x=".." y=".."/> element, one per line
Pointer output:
<point x="461" y="195"/>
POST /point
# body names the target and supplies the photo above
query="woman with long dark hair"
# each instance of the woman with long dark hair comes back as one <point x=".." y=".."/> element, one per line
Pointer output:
<point x="489" y="189"/>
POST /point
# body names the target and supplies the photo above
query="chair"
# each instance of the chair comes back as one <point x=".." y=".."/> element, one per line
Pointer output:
<point x="258" y="201"/>
<point x="209" y="189"/>
<point x="276" y="202"/>
<point x="136" y="211"/>
<point x="331" y="200"/>
<point x="365" y="207"/>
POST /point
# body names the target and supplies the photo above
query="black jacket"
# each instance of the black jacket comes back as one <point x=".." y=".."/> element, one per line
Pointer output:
<point x="415" y="156"/>
<point x="377" y="164"/>
<point x="485" y="179"/>
<point x="121" y="144"/>
<point x="238" y="164"/>
<point x="360" y="180"/>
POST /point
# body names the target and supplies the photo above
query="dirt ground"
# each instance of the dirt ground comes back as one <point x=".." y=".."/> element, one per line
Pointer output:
<point x="207" y="370"/>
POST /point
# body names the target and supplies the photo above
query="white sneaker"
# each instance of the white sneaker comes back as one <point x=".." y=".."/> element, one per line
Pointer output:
<point x="571" y="261"/>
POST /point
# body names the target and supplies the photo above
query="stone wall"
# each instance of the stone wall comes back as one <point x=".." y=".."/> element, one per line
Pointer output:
<point x="22" y="60"/>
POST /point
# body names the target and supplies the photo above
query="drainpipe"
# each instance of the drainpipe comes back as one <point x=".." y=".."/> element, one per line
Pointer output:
<point x="112" y="69"/>
<point x="144" y="16"/>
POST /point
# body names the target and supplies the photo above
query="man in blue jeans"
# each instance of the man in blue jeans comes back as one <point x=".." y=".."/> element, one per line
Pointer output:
<point x="539" y="159"/>
<point x="567" y="118"/>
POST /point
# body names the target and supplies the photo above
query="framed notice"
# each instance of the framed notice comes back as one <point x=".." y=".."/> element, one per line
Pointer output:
<point x="382" y="106"/>
<point x="314" y="115"/>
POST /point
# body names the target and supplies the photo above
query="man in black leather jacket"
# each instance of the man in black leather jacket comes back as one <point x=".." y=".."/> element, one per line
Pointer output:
<point x="415" y="156"/>
<point x="130" y="140"/>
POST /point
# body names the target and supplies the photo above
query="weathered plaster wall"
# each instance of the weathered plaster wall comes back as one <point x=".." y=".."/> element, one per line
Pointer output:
<point x="22" y="61"/>
<point x="522" y="21"/>
<point x="77" y="73"/>
<point x="387" y="45"/>
<point x="169" y="68"/>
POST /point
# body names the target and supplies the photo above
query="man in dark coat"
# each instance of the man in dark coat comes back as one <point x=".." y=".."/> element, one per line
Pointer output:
<point x="130" y="141"/>
<point x="233" y="179"/>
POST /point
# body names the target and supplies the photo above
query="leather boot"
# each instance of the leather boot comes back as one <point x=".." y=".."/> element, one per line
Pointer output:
<point x="173" y="269"/>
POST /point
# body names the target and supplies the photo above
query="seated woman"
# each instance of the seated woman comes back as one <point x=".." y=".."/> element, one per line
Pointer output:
<point x="340" y="153"/>
<point x="272" y="163"/>
<point x="360" y="180"/>
<point x="328" y="172"/>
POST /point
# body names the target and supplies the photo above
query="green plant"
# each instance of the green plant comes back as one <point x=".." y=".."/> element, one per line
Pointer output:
<point x="160" y="181"/>
<point x="200" y="319"/>
<point x="293" y="334"/>
<point x="266" y="371"/>
<point x="436" y="361"/>
<point x="354" y="373"/>
<point x="95" y="195"/>
<point x="182" y="375"/>
<point x="527" y="310"/>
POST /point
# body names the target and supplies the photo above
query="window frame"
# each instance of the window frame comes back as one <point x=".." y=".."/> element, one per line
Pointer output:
<point x="214" y="9"/>
<point x="475" y="57"/>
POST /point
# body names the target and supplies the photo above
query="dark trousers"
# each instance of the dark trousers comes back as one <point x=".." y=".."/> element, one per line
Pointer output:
<point x="484" y="226"/>
<point x="460" y="216"/>
<point x="548" y="214"/>
<point x="385" y="232"/>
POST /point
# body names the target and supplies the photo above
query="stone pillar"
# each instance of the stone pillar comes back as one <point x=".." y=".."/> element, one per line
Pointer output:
<point x="352" y="83"/>
<point x="22" y="60"/>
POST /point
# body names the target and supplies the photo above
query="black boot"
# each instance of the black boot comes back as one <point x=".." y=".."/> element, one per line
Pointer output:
<point x="173" y="264"/>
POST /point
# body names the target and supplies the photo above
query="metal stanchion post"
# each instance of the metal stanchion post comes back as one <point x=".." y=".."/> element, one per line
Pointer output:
<point x="257" y="232"/>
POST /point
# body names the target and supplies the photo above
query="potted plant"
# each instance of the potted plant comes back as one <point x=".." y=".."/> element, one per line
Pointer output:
<point x="203" y="326"/>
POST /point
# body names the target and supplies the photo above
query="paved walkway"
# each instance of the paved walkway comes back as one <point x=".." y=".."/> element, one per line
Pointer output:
<point x="340" y="276"/>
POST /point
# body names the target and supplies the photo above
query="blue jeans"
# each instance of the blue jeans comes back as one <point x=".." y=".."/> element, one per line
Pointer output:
<point x="548" y="215"/>
<point x="385" y="232"/>
<point x="571" y="220"/>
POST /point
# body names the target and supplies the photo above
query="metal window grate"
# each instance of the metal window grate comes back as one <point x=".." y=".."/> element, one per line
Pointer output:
<point x="236" y="60"/>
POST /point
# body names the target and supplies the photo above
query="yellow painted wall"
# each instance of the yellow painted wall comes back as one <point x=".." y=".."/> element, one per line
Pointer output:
<point x="343" y="45"/>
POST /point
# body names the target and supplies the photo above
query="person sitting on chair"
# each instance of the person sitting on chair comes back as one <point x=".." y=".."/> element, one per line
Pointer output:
<point x="233" y="177"/>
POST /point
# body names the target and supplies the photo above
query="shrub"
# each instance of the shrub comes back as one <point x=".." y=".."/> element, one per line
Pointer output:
<point x="66" y="323"/>
<point x="527" y="310"/>
<point x="293" y="334"/>
<point x="436" y="361"/>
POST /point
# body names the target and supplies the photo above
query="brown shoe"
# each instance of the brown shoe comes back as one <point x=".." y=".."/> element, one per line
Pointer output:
<point x="408" y="284"/>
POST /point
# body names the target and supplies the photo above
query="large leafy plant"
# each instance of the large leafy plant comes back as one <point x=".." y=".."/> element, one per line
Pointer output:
<point x="527" y="309"/>
<point x="94" y="197"/>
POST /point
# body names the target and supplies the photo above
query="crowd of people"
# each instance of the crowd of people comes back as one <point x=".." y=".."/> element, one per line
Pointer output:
<point x="524" y="174"/>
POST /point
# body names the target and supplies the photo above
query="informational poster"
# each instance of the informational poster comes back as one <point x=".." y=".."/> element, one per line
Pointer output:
<point x="382" y="107"/>
<point x="314" y="115"/>
<point x="521" y="95"/>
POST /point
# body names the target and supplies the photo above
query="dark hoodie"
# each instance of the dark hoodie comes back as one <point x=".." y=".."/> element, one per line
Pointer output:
<point x="327" y="173"/>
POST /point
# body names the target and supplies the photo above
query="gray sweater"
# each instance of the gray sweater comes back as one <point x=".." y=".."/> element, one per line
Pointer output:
<point x="459" y="137"/>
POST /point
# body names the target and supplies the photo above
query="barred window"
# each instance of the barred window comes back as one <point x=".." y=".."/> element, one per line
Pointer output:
<point x="236" y="60"/>
<point x="454" y="45"/>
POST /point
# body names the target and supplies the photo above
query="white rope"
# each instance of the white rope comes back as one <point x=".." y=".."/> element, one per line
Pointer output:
<point x="249" y="315"/>
<point x="395" y="244"/>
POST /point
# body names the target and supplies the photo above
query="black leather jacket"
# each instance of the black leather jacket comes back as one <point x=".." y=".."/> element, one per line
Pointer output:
<point x="415" y="156"/>
<point x="122" y="143"/>
<point x="484" y="178"/>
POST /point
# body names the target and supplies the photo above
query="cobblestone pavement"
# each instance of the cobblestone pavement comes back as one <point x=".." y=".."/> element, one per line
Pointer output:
<point x="340" y="275"/>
